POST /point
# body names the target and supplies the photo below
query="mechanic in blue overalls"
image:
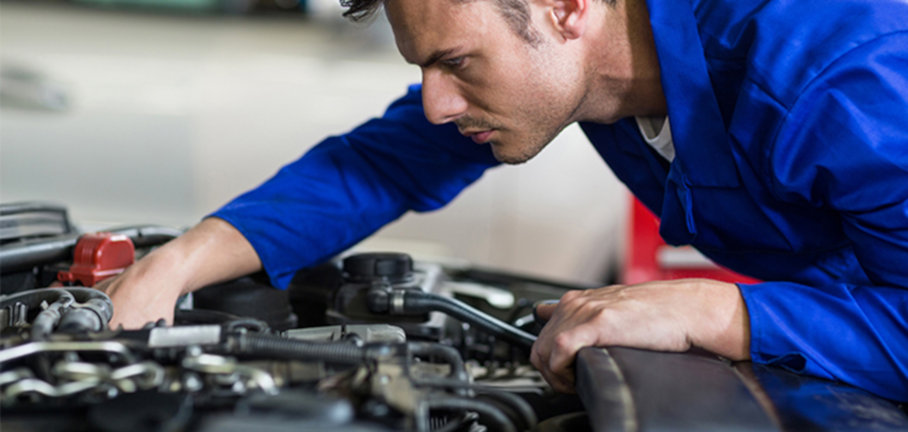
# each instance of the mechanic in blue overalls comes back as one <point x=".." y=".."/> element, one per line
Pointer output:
<point x="771" y="135"/>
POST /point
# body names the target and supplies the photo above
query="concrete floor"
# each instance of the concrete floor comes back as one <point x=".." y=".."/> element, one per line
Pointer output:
<point x="160" y="118"/>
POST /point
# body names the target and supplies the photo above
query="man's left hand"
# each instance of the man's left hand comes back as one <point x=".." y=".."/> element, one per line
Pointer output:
<point x="663" y="316"/>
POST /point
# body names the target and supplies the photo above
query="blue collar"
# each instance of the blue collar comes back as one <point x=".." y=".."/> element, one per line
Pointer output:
<point x="701" y="142"/>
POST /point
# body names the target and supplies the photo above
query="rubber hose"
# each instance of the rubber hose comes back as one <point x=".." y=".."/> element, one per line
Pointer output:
<point x="449" y="354"/>
<point x="91" y="312"/>
<point x="421" y="302"/>
<point x="452" y="424"/>
<point x="44" y="323"/>
<point x="269" y="346"/>
<point x="521" y="407"/>
<point x="493" y="418"/>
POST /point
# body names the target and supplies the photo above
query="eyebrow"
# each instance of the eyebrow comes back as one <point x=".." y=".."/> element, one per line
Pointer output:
<point x="436" y="56"/>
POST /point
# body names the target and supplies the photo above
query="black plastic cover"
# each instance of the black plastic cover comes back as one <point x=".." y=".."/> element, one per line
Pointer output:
<point x="391" y="266"/>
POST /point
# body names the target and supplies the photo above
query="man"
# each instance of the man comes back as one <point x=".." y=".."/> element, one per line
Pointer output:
<point x="771" y="135"/>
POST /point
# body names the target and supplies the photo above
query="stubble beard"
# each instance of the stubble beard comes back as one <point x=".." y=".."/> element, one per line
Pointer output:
<point x="522" y="151"/>
<point x="499" y="149"/>
<point x="537" y="135"/>
<point x="540" y="125"/>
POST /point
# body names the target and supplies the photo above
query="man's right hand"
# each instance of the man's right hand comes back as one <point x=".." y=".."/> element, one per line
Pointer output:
<point x="211" y="252"/>
<point x="146" y="292"/>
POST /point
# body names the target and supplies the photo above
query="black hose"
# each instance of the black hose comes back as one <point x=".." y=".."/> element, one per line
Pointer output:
<point x="421" y="302"/>
<point x="447" y="353"/>
<point x="489" y="415"/>
<point x="520" y="406"/>
<point x="270" y="347"/>
<point x="448" y="424"/>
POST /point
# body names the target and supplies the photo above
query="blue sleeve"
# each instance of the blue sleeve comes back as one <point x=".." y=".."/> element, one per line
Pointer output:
<point x="348" y="186"/>
<point x="844" y="148"/>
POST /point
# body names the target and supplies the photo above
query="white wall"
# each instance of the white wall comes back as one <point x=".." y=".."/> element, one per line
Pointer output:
<point x="171" y="116"/>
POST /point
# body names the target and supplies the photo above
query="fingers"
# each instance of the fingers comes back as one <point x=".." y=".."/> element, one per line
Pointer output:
<point x="564" y="334"/>
<point x="543" y="310"/>
<point x="566" y="346"/>
<point x="578" y="320"/>
<point x="561" y="381"/>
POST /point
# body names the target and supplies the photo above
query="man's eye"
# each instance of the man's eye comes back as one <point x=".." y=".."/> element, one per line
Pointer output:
<point x="454" y="62"/>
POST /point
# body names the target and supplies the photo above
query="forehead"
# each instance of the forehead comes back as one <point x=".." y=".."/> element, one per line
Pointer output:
<point x="422" y="27"/>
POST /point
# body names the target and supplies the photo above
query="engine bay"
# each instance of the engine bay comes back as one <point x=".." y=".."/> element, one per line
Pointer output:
<point x="370" y="341"/>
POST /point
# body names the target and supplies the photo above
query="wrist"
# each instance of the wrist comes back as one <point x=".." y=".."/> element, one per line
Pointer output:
<point x="721" y="325"/>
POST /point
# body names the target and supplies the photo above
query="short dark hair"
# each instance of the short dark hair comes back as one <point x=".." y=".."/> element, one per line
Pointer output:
<point x="515" y="12"/>
<point x="359" y="10"/>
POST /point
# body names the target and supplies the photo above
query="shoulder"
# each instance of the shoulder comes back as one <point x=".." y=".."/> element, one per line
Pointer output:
<point x="785" y="45"/>
<point x="846" y="130"/>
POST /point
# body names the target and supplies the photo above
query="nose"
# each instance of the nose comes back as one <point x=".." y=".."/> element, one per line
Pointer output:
<point x="441" y="99"/>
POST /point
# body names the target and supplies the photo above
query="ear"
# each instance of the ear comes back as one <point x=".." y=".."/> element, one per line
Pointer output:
<point x="569" y="17"/>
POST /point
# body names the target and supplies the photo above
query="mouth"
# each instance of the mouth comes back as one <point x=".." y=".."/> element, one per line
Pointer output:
<point x="479" y="137"/>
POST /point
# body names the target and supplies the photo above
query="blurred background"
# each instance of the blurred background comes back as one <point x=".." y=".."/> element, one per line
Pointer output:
<point x="160" y="111"/>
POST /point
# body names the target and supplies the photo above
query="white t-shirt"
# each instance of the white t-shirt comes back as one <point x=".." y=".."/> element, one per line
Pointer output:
<point x="657" y="132"/>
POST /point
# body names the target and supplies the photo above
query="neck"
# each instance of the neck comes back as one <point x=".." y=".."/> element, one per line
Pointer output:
<point x="624" y="69"/>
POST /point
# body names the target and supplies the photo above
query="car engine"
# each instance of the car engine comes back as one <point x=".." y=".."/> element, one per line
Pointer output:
<point x="366" y="342"/>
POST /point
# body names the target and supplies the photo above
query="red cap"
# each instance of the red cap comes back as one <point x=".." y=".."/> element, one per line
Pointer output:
<point x="99" y="256"/>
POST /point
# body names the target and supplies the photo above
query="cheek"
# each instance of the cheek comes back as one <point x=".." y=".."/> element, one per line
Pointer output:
<point x="505" y="93"/>
<point x="503" y="77"/>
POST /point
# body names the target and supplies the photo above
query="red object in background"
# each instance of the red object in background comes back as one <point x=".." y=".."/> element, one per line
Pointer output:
<point x="99" y="256"/>
<point x="649" y="258"/>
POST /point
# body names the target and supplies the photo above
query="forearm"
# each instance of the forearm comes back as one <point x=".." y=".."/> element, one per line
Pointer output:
<point x="211" y="252"/>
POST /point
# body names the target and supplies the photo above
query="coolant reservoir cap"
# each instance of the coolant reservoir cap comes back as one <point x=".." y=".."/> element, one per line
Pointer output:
<point x="394" y="266"/>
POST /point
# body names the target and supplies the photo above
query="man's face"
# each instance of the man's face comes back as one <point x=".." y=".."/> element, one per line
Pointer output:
<point x="478" y="73"/>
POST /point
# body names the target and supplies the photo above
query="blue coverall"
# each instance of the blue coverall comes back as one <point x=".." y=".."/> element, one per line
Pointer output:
<point x="790" y="124"/>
